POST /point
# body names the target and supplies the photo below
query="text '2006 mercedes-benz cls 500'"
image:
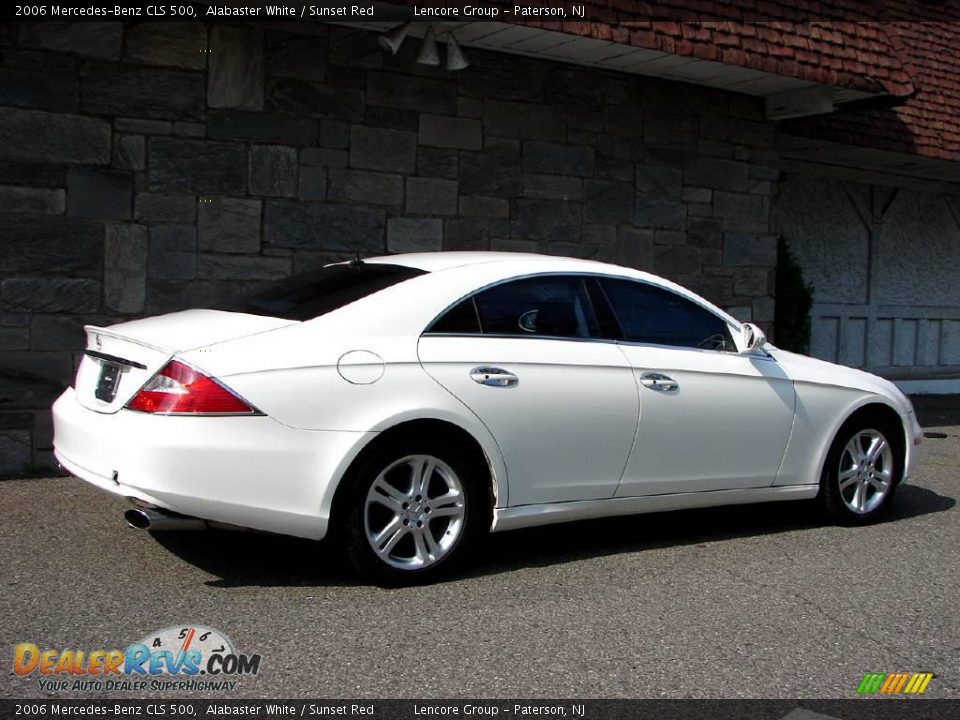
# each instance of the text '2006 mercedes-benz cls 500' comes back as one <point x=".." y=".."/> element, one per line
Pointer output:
<point x="410" y="404"/>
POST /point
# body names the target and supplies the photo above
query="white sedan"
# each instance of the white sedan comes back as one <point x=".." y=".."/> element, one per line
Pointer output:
<point x="409" y="404"/>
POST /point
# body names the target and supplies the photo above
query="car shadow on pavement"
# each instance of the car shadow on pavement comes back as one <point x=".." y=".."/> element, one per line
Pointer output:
<point x="240" y="559"/>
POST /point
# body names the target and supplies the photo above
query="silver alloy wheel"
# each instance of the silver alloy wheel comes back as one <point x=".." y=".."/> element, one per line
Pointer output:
<point x="866" y="471"/>
<point x="414" y="512"/>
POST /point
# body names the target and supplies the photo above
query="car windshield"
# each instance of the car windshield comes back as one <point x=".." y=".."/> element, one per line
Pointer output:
<point x="317" y="292"/>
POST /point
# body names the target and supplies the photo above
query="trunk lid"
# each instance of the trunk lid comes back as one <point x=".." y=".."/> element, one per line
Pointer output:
<point x="120" y="359"/>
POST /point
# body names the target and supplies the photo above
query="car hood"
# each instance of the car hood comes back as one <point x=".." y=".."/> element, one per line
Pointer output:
<point x="804" y="369"/>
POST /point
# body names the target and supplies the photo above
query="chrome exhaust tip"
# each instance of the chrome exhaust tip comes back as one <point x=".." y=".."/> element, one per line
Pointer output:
<point x="157" y="520"/>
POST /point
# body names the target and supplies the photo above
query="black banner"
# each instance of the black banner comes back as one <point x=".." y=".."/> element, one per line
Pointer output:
<point x="520" y="11"/>
<point x="863" y="709"/>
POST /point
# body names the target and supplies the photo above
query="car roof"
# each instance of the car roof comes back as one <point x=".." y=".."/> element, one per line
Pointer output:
<point x="436" y="261"/>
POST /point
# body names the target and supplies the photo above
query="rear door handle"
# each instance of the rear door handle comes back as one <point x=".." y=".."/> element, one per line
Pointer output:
<point x="659" y="381"/>
<point x="494" y="377"/>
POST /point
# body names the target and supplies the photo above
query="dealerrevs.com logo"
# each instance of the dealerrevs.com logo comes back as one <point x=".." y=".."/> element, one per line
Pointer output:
<point x="894" y="683"/>
<point x="188" y="657"/>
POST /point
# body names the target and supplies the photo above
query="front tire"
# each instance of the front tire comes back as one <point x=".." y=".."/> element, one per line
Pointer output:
<point x="862" y="471"/>
<point x="416" y="509"/>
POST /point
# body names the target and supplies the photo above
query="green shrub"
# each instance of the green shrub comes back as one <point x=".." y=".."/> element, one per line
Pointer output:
<point x="794" y="297"/>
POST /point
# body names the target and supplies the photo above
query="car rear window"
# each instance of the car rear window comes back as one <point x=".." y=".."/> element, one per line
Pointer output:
<point x="317" y="292"/>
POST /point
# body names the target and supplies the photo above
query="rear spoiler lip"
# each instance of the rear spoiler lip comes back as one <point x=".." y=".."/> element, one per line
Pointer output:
<point x="106" y="332"/>
<point x="114" y="359"/>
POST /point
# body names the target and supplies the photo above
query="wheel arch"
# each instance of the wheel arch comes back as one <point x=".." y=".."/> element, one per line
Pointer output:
<point x="420" y="426"/>
<point x="871" y="408"/>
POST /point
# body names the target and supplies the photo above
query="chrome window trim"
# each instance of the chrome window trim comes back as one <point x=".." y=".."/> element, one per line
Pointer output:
<point x="734" y="331"/>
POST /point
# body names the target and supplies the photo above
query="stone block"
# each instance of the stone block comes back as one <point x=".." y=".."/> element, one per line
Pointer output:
<point x="526" y="121"/>
<point x="704" y="232"/>
<point x="125" y="268"/>
<point x="750" y="282"/>
<point x="130" y="152"/>
<point x="156" y="208"/>
<point x="479" y="206"/>
<point x="410" y="92"/>
<point x="431" y="196"/>
<point x="14" y="339"/>
<point x="28" y="79"/>
<point x="552" y="187"/>
<point x="697" y="195"/>
<point x="273" y="170"/>
<point x="764" y="309"/>
<point x="101" y="194"/>
<point x="469" y="107"/>
<point x="741" y="211"/>
<point x="141" y="92"/>
<point x="414" y="235"/>
<point x="386" y="150"/>
<point x="365" y="187"/>
<point x="91" y="39"/>
<point x="198" y="165"/>
<point x="671" y="261"/>
<point x="670" y="237"/>
<point x="749" y="250"/>
<point x="323" y="157"/>
<point x="609" y="201"/>
<point x="242" y="267"/>
<point x="334" y="134"/>
<point x="173" y="252"/>
<point x="450" y="132"/>
<point x="43" y="244"/>
<point x="139" y="126"/>
<point x="173" y="44"/>
<point x="55" y="137"/>
<point x="297" y="56"/>
<point x="57" y="332"/>
<point x="716" y="173"/>
<point x="230" y="225"/>
<point x="324" y="227"/>
<point x="164" y="296"/>
<point x="14" y="199"/>
<point x="467" y="234"/>
<point x="635" y="248"/>
<point x="53" y="295"/>
<point x="626" y="120"/>
<point x="236" y="71"/>
<point x="300" y="97"/>
<point x="32" y="174"/>
<point x="261" y="127"/>
<point x="558" y="159"/>
<point x="550" y="220"/>
<point x="495" y="171"/>
<point x="313" y="183"/>
<point x="438" y="162"/>
<point x="16" y="452"/>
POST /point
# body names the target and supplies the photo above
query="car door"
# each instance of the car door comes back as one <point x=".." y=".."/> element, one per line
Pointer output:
<point x="710" y="417"/>
<point x="562" y="404"/>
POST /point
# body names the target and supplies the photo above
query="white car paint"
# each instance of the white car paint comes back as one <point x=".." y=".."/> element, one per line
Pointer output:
<point x="580" y="436"/>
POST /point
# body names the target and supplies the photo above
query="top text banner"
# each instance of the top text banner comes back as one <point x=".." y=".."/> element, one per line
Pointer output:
<point x="610" y="12"/>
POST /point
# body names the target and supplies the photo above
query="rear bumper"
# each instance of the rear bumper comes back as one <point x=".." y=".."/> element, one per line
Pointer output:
<point x="247" y="471"/>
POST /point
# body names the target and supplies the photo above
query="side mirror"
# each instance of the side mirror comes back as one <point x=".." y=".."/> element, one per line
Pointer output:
<point x="753" y="338"/>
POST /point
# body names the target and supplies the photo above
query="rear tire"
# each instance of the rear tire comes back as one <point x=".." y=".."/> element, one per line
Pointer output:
<point x="415" y="511"/>
<point x="862" y="471"/>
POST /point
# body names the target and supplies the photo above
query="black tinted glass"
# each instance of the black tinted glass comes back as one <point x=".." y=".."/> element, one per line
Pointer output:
<point x="317" y="292"/>
<point x="551" y="306"/>
<point x="461" y="319"/>
<point x="653" y="315"/>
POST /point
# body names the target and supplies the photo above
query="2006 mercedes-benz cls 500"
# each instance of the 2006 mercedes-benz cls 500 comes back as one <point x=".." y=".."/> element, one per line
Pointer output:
<point x="409" y="404"/>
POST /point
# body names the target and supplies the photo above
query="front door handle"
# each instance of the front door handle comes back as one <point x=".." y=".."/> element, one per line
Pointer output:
<point x="659" y="381"/>
<point x="494" y="377"/>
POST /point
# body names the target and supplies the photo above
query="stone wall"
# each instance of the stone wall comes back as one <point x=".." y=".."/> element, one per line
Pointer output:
<point x="150" y="167"/>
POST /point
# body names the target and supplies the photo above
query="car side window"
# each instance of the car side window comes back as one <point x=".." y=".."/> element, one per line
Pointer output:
<point x="654" y="315"/>
<point x="546" y="306"/>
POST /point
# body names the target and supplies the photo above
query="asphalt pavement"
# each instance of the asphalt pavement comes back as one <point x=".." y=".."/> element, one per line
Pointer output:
<point x="754" y="601"/>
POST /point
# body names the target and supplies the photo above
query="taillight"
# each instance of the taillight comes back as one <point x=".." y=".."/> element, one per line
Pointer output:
<point x="180" y="390"/>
